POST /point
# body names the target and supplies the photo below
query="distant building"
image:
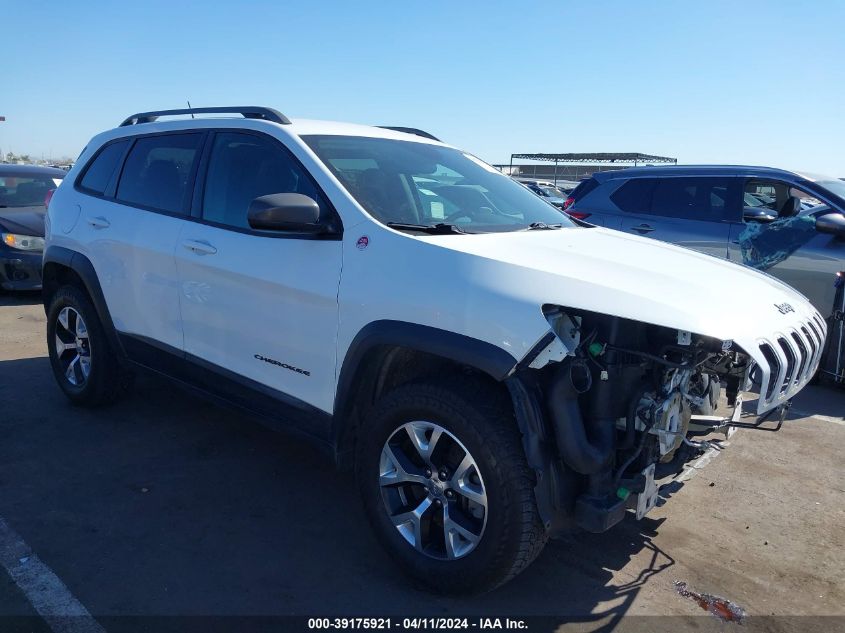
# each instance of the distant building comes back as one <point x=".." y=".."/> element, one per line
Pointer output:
<point x="577" y="166"/>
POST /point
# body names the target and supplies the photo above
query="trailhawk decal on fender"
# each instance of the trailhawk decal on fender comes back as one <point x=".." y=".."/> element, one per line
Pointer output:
<point x="273" y="361"/>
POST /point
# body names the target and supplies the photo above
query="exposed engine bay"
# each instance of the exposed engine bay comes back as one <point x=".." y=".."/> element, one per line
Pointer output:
<point x="624" y="403"/>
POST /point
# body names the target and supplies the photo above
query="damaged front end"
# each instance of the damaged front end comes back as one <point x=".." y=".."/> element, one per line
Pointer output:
<point x="608" y="406"/>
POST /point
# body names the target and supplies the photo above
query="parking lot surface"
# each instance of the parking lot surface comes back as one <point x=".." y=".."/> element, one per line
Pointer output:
<point x="166" y="504"/>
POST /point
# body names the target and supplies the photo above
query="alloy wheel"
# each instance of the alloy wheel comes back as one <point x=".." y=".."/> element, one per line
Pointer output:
<point x="433" y="490"/>
<point x="72" y="346"/>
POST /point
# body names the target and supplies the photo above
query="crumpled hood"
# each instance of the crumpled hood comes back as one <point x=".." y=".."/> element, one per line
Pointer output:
<point x="23" y="220"/>
<point x="638" y="278"/>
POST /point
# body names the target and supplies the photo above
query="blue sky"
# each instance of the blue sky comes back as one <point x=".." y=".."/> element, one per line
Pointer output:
<point x="737" y="82"/>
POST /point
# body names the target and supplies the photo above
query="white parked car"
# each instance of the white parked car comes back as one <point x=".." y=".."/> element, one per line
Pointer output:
<point x="493" y="371"/>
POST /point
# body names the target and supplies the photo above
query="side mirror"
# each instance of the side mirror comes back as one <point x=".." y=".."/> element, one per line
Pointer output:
<point x="758" y="214"/>
<point x="831" y="223"/>
<point x="292" y="212"/>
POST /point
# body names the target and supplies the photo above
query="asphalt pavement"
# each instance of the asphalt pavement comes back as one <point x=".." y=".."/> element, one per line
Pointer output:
<point x="167" y="505"/>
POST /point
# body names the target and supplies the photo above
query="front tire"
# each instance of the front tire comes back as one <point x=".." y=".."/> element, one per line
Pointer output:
<point x="446" y="487"/>
<point x="83" y="362"/>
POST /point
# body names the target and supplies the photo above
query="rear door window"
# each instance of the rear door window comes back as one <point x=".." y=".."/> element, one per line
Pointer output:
<point x="634" y="196"/>
<point x="100" y="171"/>
<point x="709" y="199"/>
<point x="582" y="189"/>
<point x="158" y="172"/>
<point x="26" y="190"/>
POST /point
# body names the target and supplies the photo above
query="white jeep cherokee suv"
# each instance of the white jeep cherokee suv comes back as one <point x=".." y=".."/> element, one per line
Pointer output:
<point x="494" y="372"/>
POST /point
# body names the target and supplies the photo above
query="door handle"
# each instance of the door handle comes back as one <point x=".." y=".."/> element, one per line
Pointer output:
<point x="99" y="222"/>
<point x="643" y="228"/>
<point x="199" y="248"/>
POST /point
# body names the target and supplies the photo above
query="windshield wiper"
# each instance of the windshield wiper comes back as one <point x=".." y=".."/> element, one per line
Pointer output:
<point x="535" y="226"/>
<point x="441" y="228"/>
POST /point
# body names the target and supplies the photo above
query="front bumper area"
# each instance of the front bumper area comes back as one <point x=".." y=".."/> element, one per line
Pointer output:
<point x="20" y="270"/>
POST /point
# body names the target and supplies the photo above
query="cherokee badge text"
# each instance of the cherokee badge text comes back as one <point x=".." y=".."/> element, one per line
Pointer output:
<point x="273" y="361"/>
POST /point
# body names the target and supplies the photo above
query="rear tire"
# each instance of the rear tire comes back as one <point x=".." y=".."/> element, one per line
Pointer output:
<point x="83" y="361"/>
<point x="490" y="543"/>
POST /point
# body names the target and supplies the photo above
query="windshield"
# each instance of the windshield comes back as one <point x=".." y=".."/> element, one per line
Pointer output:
<point x="26" y="191"/>
<point x="402" y="182"/>
<point x="553" y="192"/>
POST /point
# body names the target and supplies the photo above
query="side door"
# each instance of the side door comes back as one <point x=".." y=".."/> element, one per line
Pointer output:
<point x="138" y="192"/>
<point x="788" y="247"/>
<point x="259" y="307"/>
<point x="694" y="212"/>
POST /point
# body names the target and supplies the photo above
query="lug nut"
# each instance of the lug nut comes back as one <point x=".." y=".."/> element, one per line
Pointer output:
<point x="450" y="494"/>
<point x="438" y="502"/>
<point x="444" y="474"/>
<point x="428" y="472"/>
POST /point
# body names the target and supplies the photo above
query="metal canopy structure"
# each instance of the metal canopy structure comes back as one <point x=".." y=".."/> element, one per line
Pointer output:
<point x="632" y="158"/>
<point x="600" y="157"/>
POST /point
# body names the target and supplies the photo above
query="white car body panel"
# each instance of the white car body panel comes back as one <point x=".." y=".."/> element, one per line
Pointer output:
<point x="508" y="277"/>
<point x="278" y="293"/>
<point x="263" y="296"/>
<point x="133" y="257"/>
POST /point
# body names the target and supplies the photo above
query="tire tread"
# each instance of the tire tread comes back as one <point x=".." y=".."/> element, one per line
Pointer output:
<point x="490" y="412"/>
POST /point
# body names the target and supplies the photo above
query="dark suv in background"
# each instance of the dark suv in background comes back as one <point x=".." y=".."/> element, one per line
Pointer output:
<point x="787" y="224"/>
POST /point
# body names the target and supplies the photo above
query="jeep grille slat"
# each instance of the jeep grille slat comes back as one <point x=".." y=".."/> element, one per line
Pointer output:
<point x="788" y="360"/>
<point x="792" y="361"/>
<point x="803" y="355"/>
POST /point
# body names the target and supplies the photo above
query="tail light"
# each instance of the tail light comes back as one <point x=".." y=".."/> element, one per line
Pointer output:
<point x="48" y="197"/>
<point x="578" y="215"/>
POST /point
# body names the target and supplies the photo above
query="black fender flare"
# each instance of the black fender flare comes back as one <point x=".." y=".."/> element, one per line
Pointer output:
<point x="484" y="356"/>
<point x="84" y="269"/>
<point x="553" y="490"/>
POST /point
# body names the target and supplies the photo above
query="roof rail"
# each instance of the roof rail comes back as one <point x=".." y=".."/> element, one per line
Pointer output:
<point x="248" y="112"/>
<point x="411" y="130"/>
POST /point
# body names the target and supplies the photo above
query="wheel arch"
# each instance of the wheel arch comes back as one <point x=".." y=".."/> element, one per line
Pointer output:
<point x="385" y="354"/>
<point x="63" y="266"/>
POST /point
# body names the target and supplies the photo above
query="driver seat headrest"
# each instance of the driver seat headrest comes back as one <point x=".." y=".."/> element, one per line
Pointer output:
<point x="791" y="207"/>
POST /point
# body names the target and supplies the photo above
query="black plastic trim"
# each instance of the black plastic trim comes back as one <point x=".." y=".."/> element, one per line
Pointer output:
<point x="82" y="266"/>
<point x="555" y="488"/>
<point x="411" y="130"/>
<point x="355" y="369"/>
<point x="223" y="385"/>
<point x="248" y="112"/>
<point x="486" y="357"/>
